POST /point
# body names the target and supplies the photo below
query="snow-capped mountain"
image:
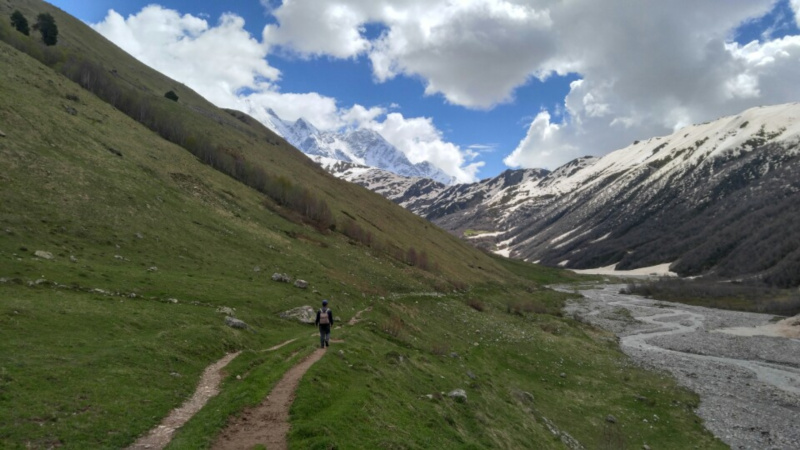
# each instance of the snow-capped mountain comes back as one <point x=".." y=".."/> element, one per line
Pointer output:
<point x="361" y="147"/>
<point x="413" y="193"/>
<point x="717" y="198"/>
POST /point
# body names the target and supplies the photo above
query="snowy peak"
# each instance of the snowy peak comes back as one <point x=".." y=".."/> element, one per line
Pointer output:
<point x="362" y="147"/>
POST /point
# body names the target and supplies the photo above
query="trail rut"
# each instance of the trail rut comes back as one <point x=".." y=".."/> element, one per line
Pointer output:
<point x="268" y="423"/>
<point x="208" y="387"/>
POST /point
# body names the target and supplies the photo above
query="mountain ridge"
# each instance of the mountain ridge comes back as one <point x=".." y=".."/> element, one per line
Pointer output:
<point x="600" y="211"/>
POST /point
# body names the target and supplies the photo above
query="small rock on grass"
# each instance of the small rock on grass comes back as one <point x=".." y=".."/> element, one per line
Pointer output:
<point x="227" y="310"/>
<point x="43" y="254"/>
<point x="611" y="419"/>
<point x="2" y="134"/>
<point x="303" y="314"/>
<point x="281" y="277"/>
<point x="235" y="323"/>
<point x="458" y="395"/>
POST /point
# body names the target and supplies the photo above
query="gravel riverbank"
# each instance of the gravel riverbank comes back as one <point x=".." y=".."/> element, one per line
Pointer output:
<point x="749" y="386"/>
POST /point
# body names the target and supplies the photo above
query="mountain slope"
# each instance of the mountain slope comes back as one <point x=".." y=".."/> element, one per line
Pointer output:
<point x="713" y="199"/>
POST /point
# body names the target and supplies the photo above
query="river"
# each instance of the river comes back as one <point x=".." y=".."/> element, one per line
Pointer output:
<point x="749" y="386"/>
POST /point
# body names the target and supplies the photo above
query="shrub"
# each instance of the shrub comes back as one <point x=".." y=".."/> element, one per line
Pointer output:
<point x="393" y="326"/>
<point x="475" y="304"/>
<point x="46" y="25"/>
<point x="523" y="307"/>
<point x="411" y="256"/>
<point x="172" y="96"/>
<point x="440" y="349"/>
<point x="20" y="23"/>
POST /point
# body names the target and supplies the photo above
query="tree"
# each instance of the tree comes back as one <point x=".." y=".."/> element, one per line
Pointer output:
<point x="19" y="22"/>
<point x="46" y="25"/>
<point x="172" y="96"/>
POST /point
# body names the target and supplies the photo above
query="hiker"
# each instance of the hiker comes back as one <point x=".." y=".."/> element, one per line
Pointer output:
<point x="324" y="322"/>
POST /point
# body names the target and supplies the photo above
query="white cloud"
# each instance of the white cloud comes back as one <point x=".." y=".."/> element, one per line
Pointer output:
<point x="216" y="61"/>
<point x="646" y="68"/>
<point x="359" y="114"/>
<point x="648" y="74"/>
<point x="474" y="52"/>
<point x="318" y="109"/>
<point x="318" y="28"/>
<point x="543" y="146"/>
<point x="225" y="64"/>
<point x="420" y="140"/>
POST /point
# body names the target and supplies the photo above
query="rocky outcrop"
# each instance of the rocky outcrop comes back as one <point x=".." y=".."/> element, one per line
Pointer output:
<point x="303" y="314"/>
<point x="281" y="277"/>
<point x="458" y="395"/>
<point x="235" y="323"/>
<point x="43" y="254"/>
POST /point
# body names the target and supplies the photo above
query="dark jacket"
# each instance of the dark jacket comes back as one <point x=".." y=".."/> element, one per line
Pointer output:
<point x="330" y="317"/>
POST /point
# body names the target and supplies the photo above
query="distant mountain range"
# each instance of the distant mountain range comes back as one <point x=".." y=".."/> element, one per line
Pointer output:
<point x="720" y="198"/>
<point x="360" y="146"/>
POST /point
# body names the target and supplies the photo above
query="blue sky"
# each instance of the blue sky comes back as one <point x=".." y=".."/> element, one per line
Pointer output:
<point x="474" y="86"/>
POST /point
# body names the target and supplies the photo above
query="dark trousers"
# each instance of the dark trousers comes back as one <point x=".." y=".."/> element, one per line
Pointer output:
<point x="324" y="335"/>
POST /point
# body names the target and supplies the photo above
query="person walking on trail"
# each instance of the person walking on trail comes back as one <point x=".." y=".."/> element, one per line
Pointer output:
<point x="324" y="322"/>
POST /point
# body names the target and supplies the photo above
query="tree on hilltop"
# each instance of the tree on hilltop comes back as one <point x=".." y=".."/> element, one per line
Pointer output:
<point x="46" y="25"/>
<point x="20" y="23"/>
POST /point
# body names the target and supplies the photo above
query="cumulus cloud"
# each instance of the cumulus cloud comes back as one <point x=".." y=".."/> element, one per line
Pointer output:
<point x="544" y="142"/>
<point x="796" y="7"/>
<point x="473" y="52"/>
<point x="420" y="140"/>
<point x="649" y="74"/>
<point x="314" y="28"/>
<point x="225" y="64"/>
<point x="214" y="60"/>
<point x="645" y="68"/>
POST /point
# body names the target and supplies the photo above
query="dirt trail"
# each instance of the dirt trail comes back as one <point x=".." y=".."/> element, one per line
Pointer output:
<point x="357" y="317"/>
<point x="268" y="423"/>
<point x="275" y="347"/>
<point x="208" y="387"/>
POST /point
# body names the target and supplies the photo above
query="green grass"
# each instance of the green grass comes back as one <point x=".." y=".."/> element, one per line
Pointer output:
<point x="374" y="393"/>
<point x="82" y="369"/>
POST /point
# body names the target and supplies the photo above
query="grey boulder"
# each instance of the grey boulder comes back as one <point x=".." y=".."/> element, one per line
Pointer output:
<point x="235" y="323"/>
<point x="302" y="314"/>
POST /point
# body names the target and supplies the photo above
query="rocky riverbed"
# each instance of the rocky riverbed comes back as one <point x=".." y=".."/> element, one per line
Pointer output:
<point x="749" y="386"/>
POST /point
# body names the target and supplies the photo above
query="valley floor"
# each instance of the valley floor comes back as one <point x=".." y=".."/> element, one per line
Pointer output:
<point x="749" y="386"/>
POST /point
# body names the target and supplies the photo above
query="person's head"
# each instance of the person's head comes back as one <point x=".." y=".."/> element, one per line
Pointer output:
<point x="324" y="303"/>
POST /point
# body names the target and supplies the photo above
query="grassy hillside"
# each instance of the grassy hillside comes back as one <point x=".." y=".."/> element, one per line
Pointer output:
<point x="98" y="343"/>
